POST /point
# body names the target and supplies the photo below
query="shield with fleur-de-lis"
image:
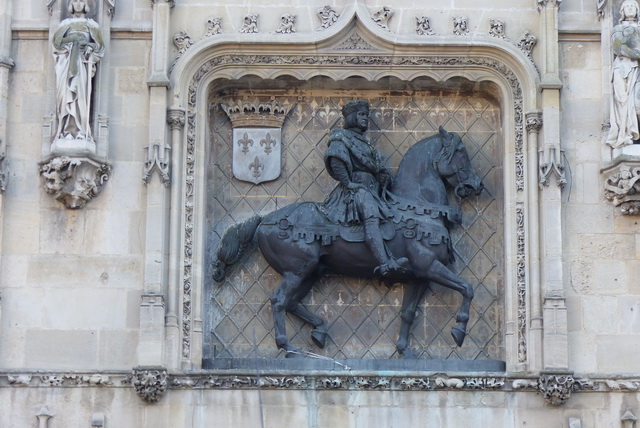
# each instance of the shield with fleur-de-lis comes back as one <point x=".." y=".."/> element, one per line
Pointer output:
<point x="256" y="154"/>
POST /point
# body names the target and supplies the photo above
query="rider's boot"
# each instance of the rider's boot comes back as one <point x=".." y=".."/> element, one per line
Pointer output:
<point x="388" y="265"/>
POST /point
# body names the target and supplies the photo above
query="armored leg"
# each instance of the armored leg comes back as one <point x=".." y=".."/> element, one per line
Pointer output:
<point x="388" y="265"/>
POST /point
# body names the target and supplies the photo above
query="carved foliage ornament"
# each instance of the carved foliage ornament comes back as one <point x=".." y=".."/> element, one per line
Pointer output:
<point x="328" y="16"/>
<point x="3" y="174"/>
<point x="213" y="26"/>
<point x="527" y="42"/>
<point x="382" y="17"/>
<point x="460" y="25"/>
<point x="556" y="389"/>
<point x="249" y="24"/>
<point x="287" y="24"/>
<point x="496" y="28"/>
<point x="74" y="181"/>
<point x="150" y="383"/>
<point x="423" y="26"/>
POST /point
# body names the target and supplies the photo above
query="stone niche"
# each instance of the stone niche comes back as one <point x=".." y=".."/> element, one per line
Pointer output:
<point x="363" y="316"/>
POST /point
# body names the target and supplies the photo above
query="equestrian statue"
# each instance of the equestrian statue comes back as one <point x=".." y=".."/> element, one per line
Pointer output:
<point x="370" y="226"/>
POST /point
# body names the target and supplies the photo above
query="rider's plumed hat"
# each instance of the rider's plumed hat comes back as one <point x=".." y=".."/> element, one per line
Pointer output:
<point x="353" y="106"/>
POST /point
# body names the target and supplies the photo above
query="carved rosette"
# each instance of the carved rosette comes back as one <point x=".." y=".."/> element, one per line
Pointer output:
<point x="622" y="186"/>
<point x="150" y="383"/>
<point x="556" y="389"/>
<point x="74" y="181"/>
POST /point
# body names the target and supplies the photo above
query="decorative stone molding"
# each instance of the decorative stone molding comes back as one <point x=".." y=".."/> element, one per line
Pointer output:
<point x="255" y="114"/>
<point x="158" y="158"/>
<point x="74" y="181"/>
<point x="622" y="186"/>
<point x="527" y="42"/>
<point x="423" y="26"/>
<point x="355" y="42"/>
<point x="328" y="17"/>
<point x="213" y="26"/>
<point x="172" y="3"/>
<point x="3" y="173"/>
<point x="183" y="41"/>
<point x="496" y="28"/>
<point x="150" y="383"/>
<point x="249" y="23"/>
<point x="382" y="17"/>
<point x="460" y="25"/>
<point x="521" y="282"/>
<point x="551" y="162"/>
<point x="556" y="389"/>
<point x="311" y="61"/>
<point x="287" y="24"/>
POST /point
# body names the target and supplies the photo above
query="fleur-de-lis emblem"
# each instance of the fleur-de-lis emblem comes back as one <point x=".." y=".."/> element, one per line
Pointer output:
<point x="257" y="167"/>
<point x="267" y="142"/>
<point x="245" y="142"/>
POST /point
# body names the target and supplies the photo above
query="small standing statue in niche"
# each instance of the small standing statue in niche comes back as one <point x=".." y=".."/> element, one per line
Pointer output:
<point x="406" y="224"/>
<point x="77" y="49"/>
<point x="625" y="42"/>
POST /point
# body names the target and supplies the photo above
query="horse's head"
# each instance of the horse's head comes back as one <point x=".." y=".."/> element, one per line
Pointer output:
<point x="453" y="164"/>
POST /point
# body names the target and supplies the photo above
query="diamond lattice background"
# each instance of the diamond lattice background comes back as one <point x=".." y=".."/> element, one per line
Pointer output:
<point x="363" y="316"/>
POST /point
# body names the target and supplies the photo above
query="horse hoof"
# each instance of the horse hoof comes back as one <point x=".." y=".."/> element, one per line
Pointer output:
<point x="294" y="353"/>
<point x="458" y="334"/>
<point x="408" y="354"/>
<point x="319" y="337"/>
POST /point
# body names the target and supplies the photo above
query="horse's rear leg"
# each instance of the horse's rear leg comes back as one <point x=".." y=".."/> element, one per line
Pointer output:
<point x="281" y="300"/>
<point x="413" y="293"/>
<point x="442" y="275"/>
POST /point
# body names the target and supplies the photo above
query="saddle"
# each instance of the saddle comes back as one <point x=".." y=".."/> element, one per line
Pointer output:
<point x="307" y="222"/>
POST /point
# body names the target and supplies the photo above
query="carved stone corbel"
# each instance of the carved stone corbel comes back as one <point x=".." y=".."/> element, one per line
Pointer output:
<point x="622" y="186"/>
<point x="150" y="383"/>
<point x="73" y="180"/>
<point x="556" y="388"/>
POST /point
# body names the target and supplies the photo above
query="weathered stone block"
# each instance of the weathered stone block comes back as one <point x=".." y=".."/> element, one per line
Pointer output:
<point x="61" y="349"/>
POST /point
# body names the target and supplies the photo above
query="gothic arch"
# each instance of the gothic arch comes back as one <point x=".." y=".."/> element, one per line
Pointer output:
<point x="379" y="54"/>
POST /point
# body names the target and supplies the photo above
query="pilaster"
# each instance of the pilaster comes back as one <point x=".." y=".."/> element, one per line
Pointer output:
<point x="555" y="348"/>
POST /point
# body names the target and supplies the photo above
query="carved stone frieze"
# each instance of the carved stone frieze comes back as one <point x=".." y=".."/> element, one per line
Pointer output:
<point x="183" y="41"/>
<point x="328" y="16"/>
<point x="382" y="17"/>
<point x="309" y="61"/>
<point x="74" y="181"/>
<point x="213" y="26"/>
<point x="150" y="383"/>
<point x="158" y="158"/>
<point x="460" y="25"/>
<point x="527" y="42"/>
<point x="622" y="185"/>
<point x="521" y="282"/>
<point x="287" y="24"/>
<point x="19" y="380"/>
<point x="249" y="23"/>
<point x="496" y="28"/>
<point x="423" y="26"/>
<point x="556" y="389"/>
<point x="551" y="162"/>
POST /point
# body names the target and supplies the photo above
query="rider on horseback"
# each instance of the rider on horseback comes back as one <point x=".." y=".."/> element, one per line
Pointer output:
<point x="364" y="183"/>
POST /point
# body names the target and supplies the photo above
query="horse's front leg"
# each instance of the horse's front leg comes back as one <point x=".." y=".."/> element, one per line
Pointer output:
<point x="413" y="293"/>
<point x="442" y="275"/>
<point x="281" y="300"/>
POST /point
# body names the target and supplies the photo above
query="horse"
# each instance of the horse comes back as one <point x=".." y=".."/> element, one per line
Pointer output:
<point x="298" y="242"/>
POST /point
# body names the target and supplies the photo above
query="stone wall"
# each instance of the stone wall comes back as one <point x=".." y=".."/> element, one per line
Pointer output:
<point x="72" y="282"/>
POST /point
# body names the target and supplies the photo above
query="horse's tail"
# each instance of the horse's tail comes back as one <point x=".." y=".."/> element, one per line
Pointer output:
<point x="233" y="244"/>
